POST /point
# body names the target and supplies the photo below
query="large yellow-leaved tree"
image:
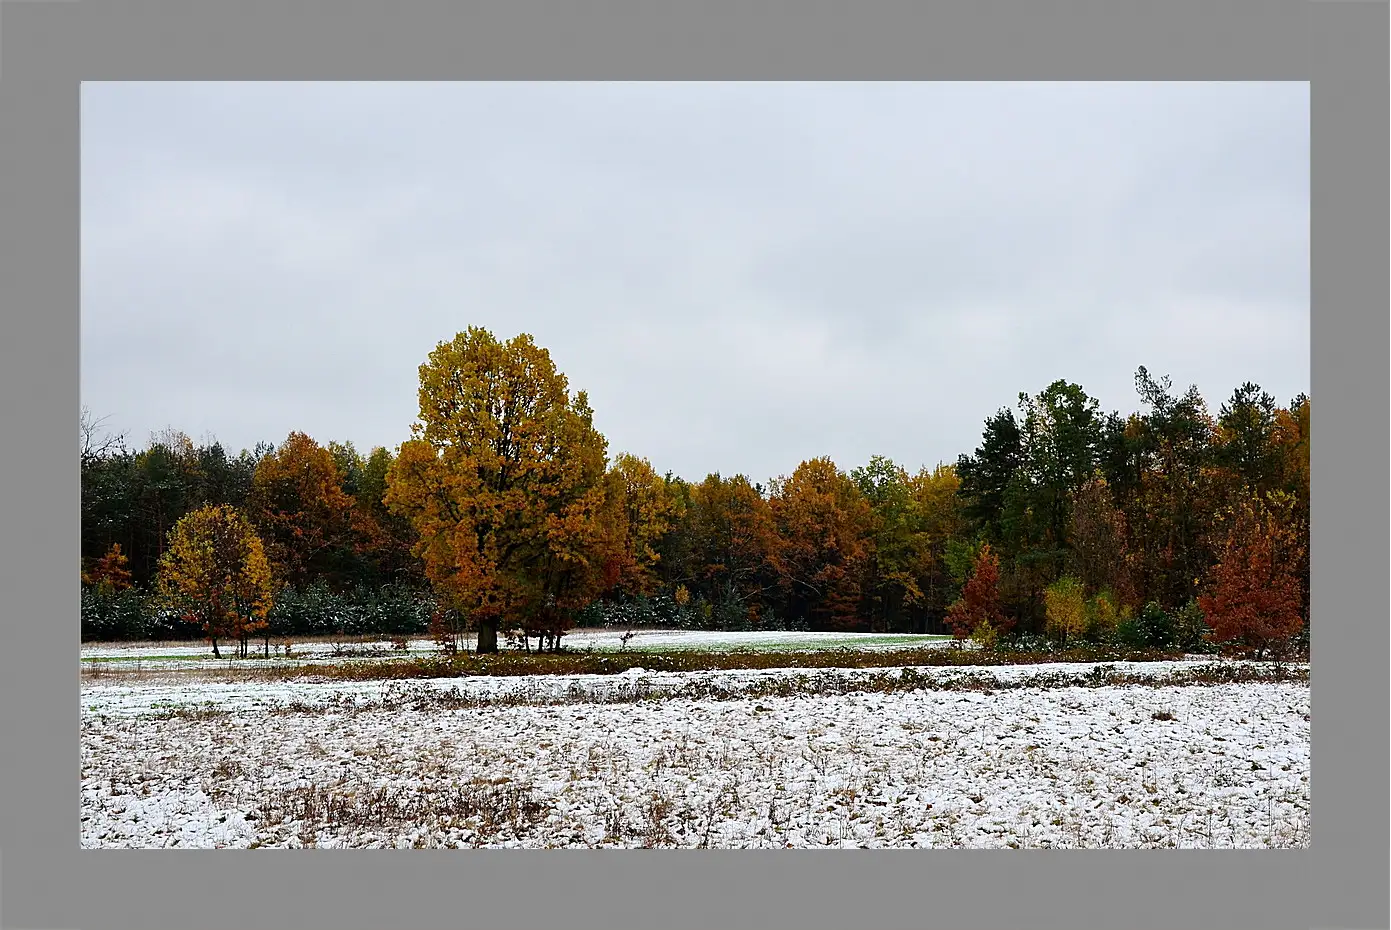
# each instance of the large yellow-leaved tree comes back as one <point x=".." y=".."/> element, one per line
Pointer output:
<point x="503" y="481"/>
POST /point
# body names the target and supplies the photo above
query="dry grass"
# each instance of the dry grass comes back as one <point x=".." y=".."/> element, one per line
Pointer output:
<point x="713" y="790"/>
<point x="613" y="663"/>
<point x="896" y="681"/>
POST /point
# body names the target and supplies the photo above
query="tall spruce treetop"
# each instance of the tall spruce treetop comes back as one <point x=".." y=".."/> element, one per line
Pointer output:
<point x="986" y="475"/>
<point x="1247" y="424"/>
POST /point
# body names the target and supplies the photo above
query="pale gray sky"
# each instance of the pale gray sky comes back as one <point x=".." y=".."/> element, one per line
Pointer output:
<point x="742" y="276"/>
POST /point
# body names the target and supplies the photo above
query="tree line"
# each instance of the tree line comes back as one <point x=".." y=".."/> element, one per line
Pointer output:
<point x="505" y="513"/>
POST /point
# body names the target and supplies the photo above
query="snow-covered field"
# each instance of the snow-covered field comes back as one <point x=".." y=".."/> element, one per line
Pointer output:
<point x="1022" y="756"/>
<point x="103" y="698"/>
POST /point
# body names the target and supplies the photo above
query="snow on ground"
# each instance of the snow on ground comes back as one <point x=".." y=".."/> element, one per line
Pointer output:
<point x="160" y="655"/>
<point x="116" y="657"/>
<point x="1120" y="766"/>
<point x="106" y="697"/>
<point x="670" y="640"/>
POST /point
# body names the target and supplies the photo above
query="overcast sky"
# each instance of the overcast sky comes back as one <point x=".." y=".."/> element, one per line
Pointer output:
<point x="742" y="276"/>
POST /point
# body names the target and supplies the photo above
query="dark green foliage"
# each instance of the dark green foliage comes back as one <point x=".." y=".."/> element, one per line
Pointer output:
<point x="318" y="611"/>
<point x="658" y="612"/>
<point x="1182" y="629"/>
<point x="114" y="615"/>
<point x="986" y="474"/>
<point x="315" y="611"/>
<point x="1190" y="630"/>
<point x="135" y="498"/>
<point x="1248" y="427"/>
<point x="661" y="611"/>
<point x="1151" y="627"/>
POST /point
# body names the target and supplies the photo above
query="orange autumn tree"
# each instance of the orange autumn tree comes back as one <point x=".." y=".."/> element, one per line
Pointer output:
<point x="979" y="604"/>
<point x="109" y="573"/>
<point x="733" y="546"/>
<point x="585" y="537"/>
<point x="645" y="511"/>
<point x="503" y="484"/>
<point x="1292" y="438"/>
<point x="825" y="527"/>
<point x="1255" y="592"/>
<point x="215" y="573"/>
<point x="298" y="503"/>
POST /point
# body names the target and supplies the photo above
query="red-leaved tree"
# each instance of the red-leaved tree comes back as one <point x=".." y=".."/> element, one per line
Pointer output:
<point x="1255" y="592"/>
<point x="980" y="599"/>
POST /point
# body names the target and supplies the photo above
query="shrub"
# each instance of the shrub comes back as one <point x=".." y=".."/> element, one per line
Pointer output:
<point x="1030" y="643"/>
<point x="1104" y="615"/>
<point x="985" y="636"/>
<point x="110" y="614"/>
<point x="1066" y="608"/>
<point x="1190" y="629"/>
<point x="1151" y="628"/>
<point x="980" y="599"/>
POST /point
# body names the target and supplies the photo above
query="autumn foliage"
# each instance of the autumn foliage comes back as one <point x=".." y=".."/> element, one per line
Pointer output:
<point x="823" y="523"/>
<point x="216" y="573"/>
<point x="504" y="512"/>
<point x="1255" y="593"/>
<point x="641" y="510"/>
<point x="503" y="482"/>
<point x="298" y="504"/>
<point x="1066" y="606"/>
<point x="110" y="573"/>
<point x="732" y="542"/>
<point x="979" y="603"/>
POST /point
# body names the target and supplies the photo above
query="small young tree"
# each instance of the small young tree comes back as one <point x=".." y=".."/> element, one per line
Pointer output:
<point x="1254" y="594"/>
<point x="1065" y="605"/>
<point x="980" y="599"/>
<point x="109" y="574"/>
<point x="1151" y="628"/>
<point x="985" y="636"/>
<point x="215" y="571"/>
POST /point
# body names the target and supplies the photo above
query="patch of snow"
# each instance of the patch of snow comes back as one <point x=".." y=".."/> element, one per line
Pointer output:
<point x="1133" y="766"/>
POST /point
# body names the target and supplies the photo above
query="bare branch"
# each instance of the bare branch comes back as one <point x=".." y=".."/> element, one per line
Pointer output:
<point x="97" y="444"/>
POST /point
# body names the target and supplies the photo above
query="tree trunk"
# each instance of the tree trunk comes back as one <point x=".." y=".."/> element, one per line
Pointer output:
<point x="216" y="654"/>
<point x="487" y="636"/>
